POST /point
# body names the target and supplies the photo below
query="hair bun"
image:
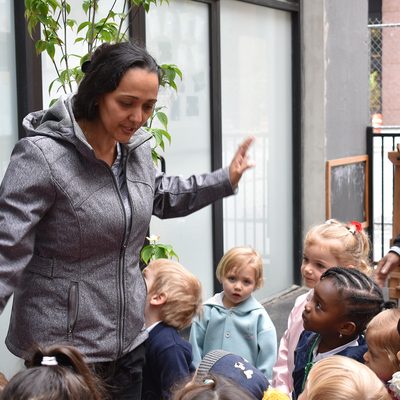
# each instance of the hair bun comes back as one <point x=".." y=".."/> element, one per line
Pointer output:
<point x="85" y="66"/>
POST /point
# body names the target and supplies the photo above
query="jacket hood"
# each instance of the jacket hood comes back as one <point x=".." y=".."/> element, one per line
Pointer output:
<point x="246" y="306"/>
<point x="59" y="122"/>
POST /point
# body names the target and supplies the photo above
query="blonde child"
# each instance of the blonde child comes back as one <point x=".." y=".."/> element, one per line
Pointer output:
<point x="342" y="378"/>
<point x="383" y="355"/>
<point x="234" y="320"/>
<point x="342" y="304"/>
<point x="173" y="299"/>
<point x="326" y="245"/>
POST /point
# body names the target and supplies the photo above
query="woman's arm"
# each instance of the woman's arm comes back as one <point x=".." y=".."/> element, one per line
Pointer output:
<point x="26" y="193"/>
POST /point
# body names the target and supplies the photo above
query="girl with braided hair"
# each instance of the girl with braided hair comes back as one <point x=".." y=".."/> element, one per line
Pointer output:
<point x="343" y="302"/>
<point x="56" y="372"/>
<point x="326" y="245"/>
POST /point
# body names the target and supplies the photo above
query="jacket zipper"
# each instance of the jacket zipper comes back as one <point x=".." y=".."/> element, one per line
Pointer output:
<point x="121" y="262"/>
<point x="73" y="306"/>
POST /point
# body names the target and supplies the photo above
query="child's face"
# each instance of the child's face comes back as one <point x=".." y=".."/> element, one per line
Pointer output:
<point x="238" y="285"/>
<point x="324" y="312"/>
<point x="317" y="258"/>
<point x="378" y="360"/>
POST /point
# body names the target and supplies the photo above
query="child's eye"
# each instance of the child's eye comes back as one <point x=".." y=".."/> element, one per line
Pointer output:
<point x="318" y="306"/>
<point x="321" y="266"/>
<point x="247" y="282"/>
<point x="231" y="278"/>
<point x="305" y="259"/>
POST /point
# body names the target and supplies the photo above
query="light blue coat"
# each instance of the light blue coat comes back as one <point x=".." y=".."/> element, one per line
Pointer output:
<point x="246" y="330"/>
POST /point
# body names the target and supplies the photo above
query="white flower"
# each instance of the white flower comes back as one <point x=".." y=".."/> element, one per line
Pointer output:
<point x="394" y="383"/>
<point x="153" y="239"/>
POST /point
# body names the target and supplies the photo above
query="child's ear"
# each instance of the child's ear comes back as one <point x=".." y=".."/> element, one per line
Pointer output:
<point x="348" y="328"/>
<point x="157" y="299"/>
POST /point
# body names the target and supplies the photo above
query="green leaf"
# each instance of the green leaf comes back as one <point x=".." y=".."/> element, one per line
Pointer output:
<point x="53" y="4"/>
<point x="52" y="102"/>
<point x="50" y="50"/>
<point x="71" y="23"/>
<point x="159" y="252"/>
<point x="162" y="117"/>
<point x="146" y="253"/>
<point x="40" y="46"/>
<point x="86" y="5"/>
<point x="83" y="25"/>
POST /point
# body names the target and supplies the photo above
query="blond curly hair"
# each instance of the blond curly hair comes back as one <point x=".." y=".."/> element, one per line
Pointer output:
<point x="342" y="378"/>
<point x="355" y="245"/>
<point x="182" y="290"/>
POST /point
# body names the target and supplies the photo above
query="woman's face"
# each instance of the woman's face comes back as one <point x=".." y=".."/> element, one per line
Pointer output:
<point x="123" y="111"/>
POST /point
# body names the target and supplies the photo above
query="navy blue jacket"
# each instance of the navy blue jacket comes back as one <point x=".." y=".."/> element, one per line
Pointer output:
<point x="306" y="340"/>
<point x="168" y="361"/>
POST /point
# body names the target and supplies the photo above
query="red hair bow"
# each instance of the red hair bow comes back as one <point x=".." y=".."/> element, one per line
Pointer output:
<point x="355" y="226"/>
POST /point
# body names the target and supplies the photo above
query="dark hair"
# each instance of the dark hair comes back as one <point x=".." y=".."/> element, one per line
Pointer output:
<point x="213" y="387"/>
<point x="103" y="74"/>
<point x="363" y="298"/>
<point x="67" y="378"/>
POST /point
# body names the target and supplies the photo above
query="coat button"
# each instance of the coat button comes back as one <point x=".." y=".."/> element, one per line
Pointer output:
<point x="227" y="334"/>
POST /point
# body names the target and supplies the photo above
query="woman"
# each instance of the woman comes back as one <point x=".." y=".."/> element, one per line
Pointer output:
<point x="76" y="203"/>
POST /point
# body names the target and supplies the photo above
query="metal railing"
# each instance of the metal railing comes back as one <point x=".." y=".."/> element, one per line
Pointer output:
<point x="381" y="178"/>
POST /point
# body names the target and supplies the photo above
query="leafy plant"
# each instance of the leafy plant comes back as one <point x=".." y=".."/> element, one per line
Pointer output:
<point x="53" y="17"/>
<point x="155" y="250"/>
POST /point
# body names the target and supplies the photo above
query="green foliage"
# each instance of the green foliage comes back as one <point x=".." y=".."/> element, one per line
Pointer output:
<point x="156" y="250"/>
<point x="52" y="16"/>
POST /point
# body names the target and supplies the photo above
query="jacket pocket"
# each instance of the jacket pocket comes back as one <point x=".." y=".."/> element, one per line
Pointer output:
<point x="73" y="307"/>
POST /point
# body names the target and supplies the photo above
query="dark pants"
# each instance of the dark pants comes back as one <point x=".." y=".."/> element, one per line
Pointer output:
<point x="123" y="377"/>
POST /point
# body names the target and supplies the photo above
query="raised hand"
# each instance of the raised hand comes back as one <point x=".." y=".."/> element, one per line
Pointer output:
<point x="240" y="162"/>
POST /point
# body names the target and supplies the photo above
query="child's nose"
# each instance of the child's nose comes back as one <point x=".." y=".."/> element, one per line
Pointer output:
<point x="366" y="357"/>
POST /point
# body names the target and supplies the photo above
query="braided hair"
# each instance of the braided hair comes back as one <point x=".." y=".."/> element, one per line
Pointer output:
<point x="362" y="297"/>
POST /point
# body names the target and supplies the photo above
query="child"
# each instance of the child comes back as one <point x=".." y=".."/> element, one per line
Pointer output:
<point x="326" y="245"/>
<point x="235" y="368"/>
<point x="343" y="302"/>
<point x="57" y="372"/>
<point x="173" y="299"/>
<point x="234" y="320"/>
<point x="383" y="339"/>
<point x="214" y="387"/>
<point x="342" y="378"/>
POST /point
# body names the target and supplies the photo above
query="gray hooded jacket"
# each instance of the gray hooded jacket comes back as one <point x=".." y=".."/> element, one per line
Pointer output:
<point x="64" y="249"/>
